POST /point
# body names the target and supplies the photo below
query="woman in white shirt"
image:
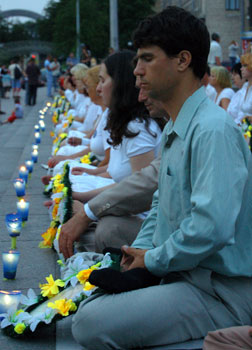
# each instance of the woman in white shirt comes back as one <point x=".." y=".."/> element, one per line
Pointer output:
<point x="134" y="136"/>
<point x="220" y="79"/>
<point x="246" y="104"/>
<point x="236" y="101"/>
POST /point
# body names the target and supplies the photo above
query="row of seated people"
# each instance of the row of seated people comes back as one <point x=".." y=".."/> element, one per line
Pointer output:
<point x="124" y="137"/>
<point x="219" y="88"/>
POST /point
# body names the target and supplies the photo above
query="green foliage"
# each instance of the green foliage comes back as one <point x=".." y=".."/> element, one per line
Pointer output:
<point x="59" y="26"/>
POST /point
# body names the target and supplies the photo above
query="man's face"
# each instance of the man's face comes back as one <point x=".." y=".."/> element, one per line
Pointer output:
<point x="156" y="72"/>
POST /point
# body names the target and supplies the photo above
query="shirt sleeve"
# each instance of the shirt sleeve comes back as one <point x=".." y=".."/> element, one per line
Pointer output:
<point x="144" y="142"/>
<point x="219" y="171"/>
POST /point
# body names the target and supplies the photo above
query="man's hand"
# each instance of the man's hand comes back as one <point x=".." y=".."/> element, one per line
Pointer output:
<point x="55" y="160"/>
<point x="72" y="230"/>
<point x="132" y="258"/>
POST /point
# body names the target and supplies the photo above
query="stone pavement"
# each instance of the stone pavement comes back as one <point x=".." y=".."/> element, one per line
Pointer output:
<point x="35" y="264"/>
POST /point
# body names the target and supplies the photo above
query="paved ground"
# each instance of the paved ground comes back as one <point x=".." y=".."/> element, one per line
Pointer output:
<point x="35" y="263"/>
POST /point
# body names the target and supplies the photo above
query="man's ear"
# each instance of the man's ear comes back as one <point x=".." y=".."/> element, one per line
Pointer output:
<point x="184" y="60"/>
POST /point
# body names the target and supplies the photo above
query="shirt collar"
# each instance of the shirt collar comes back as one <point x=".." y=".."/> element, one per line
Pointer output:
<point x="186" y="113"/>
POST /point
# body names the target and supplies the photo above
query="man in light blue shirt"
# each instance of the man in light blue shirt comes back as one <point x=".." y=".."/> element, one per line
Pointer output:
<point x="198" y="235"/>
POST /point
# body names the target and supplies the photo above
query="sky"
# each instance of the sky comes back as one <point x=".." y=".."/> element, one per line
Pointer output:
<point x="32" y="5"/>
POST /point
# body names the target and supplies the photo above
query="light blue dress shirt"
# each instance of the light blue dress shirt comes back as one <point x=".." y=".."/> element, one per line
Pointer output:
<point x="202" y="212"/>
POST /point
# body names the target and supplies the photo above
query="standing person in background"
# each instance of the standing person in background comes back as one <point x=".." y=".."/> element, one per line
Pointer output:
<point x="49" y="76"/>
<point x="71" y="60"/>
<point x="215" y="53"/>
<point x="16" y="75"/>
<point x="55" y="65"/>
<point x="86" y="55"/>
<point x="33" y="73"/>
<point x="233" y="52"/>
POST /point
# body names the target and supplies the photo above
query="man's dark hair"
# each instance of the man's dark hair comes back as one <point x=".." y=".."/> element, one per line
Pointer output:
<point x="237" y="69"/>
<point x="173" y="30"/>
<point x="215" y="37"/>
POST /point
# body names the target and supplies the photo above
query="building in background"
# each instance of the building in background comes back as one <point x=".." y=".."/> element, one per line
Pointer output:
<point x="231" y="19"/>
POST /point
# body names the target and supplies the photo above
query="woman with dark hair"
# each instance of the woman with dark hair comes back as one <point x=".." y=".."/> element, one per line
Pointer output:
<point x="134" y="136"/>
<point x="235" y="103"/>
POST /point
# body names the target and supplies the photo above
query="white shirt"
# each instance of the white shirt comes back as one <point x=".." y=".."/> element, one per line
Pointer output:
<point x="215" y="51"/>
<point x="246" y="103"/>
<point x="98" y="142"/>
<point x="225" y="93"/>
<point x="12" y="67"/>
<point x="92" y="112"/>
<point x="235" y="105"/>
<point x="210" y="92"/>
<point x="119" y="164"/>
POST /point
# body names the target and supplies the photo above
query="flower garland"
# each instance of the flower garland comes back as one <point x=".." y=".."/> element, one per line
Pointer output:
<point x="57" y="142"/>
<point x="62" y="206"/>
<point x="58" y="298"/>
<point x="246" y="128"/>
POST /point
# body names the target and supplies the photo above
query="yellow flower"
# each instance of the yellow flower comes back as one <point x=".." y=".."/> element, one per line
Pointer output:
<point x="48" y="238"/>
<point x="63" y="306"/>
<point x="57" y="200"/>
<point x="55" y="140"/>
<point x="85" y="159"/>
<point x="83" y="275"/>
<point x="51" y="288"/>
<point x="63" y="135"/>
<point x="58" y="188"/>
<point x="250" y="127"/>
<point x="52" y="134"/>
<point x="19" y="312"/>
<point x="55" y="151"/>
<point x="65" y="125"/>
<point x="55" y="211"/>
<point x="88" y="286"/>
<point x="19" y="328"/>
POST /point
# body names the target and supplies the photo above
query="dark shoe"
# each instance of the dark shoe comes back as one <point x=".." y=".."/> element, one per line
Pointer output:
<point x="2" y="112"/>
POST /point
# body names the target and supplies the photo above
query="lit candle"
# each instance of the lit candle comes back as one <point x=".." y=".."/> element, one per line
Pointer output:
<point x="23" y="209"/>
<point x="29" y="165"/>
<point x="41" y="111"/>
<point x="13" y="223"/>
<point x="48" y="104"/>
<point x="9" y="300"/>
<point x="41" y="117"/>
<point x="23" y="173"/>
<point x="19" y="185"/>
<point x="42" y="125"/>
<point x="10" y="263"/>
<point x="36" y="127"/>
<point x="34" y="155"/>
<point x="35" y="146"/>
<point x="37" y="137"/>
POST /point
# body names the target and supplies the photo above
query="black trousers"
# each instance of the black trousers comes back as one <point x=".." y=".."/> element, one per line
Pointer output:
<point x="32" y="94"/>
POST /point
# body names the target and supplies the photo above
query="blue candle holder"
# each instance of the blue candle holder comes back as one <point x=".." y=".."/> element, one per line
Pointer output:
<point x="29" y="166"/>
<point x="34" y="156"/>
<point x="36" y="127"/>
<point x="19" y="185"/>
<point x="23" y="173"/>
<point x="37" y="138"/>
<point x="13" y="223"/>
<point x="42" y="125"/>
<point x="9" y="300"/>
<point x="23" y="209"/>
<point x="10" y="263"/>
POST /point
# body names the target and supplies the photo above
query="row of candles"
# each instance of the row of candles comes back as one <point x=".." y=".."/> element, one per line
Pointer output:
<point x="15" y="221"/>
